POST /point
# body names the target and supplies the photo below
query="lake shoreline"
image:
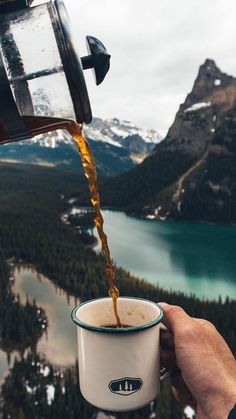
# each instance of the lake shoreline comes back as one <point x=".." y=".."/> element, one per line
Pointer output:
<point x="142" y="217"/>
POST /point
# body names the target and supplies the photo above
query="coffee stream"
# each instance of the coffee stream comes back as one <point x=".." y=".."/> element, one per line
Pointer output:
<point x="90" y="172"/>
<point x="38" y="125"/>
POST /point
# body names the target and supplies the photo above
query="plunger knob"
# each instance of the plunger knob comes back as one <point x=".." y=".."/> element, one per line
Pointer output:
<point x="99" y="59"/>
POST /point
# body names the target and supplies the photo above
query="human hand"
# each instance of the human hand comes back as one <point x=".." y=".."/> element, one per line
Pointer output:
<point x="205" y="376"/>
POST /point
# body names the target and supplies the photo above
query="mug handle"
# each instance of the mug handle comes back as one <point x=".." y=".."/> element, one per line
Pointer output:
<point x="164" y="372"/>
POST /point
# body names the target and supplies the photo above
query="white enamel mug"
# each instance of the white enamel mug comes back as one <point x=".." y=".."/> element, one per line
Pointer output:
<point x="119" y="368"/>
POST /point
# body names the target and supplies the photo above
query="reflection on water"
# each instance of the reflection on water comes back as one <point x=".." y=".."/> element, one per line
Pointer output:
<point x="59" y="344"/>
<point x="189" y="257"/>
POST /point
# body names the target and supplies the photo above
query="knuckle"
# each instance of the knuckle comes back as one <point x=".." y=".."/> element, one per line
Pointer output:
<point x="173" y="310"/>
<point x="207" y="324"/>
<point x="189" y="329"/>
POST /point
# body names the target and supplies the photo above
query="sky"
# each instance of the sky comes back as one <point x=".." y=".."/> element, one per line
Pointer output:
<point x="157" y="47"/>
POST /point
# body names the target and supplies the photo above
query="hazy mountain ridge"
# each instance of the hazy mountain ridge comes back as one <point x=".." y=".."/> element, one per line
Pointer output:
<point x="191" y="174"/>
<point x="117" y="146"/>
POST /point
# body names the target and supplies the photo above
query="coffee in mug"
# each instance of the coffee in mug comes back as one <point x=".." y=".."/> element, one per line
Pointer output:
<point x="119" y="368"/>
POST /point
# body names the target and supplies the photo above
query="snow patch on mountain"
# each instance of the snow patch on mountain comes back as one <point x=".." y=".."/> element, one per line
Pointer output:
<point x="119" y="132"/>
<point x="97" y="135"/>
<point x="52" y="139"/>
<point x="197" y="106"/>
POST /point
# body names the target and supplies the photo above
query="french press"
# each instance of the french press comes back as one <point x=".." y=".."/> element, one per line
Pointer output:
<point x="41" y="73"/>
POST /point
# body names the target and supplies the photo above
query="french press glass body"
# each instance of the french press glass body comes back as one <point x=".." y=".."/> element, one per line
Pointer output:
<point x="41" y="73"/>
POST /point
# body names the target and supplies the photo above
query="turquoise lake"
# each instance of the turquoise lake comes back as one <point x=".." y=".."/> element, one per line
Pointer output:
<point x="189" y="257"/>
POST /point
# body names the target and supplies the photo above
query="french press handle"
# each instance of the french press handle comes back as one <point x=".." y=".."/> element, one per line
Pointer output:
<point x="99" y="58"/>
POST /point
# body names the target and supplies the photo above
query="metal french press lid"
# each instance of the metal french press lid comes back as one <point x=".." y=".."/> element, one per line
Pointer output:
<point x="71" y="65"/>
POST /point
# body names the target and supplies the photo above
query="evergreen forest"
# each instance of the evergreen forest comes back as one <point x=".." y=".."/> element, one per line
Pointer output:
<point x="33" y="201"/>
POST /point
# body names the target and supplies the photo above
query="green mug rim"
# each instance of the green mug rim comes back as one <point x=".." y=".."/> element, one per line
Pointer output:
<point x="118" y="331"/>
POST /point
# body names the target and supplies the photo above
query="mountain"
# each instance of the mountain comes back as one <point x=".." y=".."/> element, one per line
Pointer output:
<point x="117" y="146"/>
<point x="191" y="174"/>
<point x="123" y="134"/>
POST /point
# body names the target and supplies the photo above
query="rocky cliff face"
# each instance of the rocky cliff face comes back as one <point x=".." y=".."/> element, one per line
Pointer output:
<point x="204" y="109"/>
<point x="191" y="174"/>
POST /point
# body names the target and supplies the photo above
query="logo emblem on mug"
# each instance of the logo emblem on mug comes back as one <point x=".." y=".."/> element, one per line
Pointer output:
<point x="125" y="386"/>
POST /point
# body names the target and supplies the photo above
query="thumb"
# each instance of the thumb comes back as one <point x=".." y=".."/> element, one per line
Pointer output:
<point x="174" y="317"/>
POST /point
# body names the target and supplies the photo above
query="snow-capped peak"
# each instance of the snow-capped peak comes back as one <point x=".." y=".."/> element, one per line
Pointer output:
<point x="122" y="134"/>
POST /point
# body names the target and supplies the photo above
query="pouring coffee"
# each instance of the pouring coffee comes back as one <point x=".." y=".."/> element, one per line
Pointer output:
<point x="42" y="88"/>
